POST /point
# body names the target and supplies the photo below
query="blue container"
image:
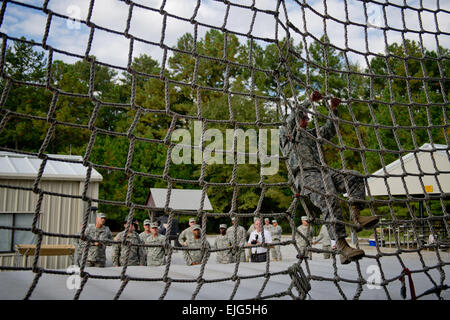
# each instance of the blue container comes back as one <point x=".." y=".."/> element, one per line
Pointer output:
<point x="372" y="243"/>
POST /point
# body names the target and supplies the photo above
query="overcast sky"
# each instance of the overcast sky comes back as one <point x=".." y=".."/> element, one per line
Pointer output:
<point x="146" y="24"/>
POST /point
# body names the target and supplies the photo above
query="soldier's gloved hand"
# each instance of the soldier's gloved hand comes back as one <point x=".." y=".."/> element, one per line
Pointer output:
<point x="316" y="96"/>
<point x="335" y="103"/>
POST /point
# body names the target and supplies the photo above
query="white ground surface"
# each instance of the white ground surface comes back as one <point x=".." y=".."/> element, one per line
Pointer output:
<point x="15" y="284"/>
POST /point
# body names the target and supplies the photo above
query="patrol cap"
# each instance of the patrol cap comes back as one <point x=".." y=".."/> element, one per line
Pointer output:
<point x="147" y="221"/>
<point x="196" y="227"/>
<point x="273" y="221"/>
<point x="101" y="215"/>
<point x="305" y="218"/>
<point x="192" y="220"/>
<point x="154" y="225"/>
<point x="223" y="226"/>
<point x="266" y="219"/>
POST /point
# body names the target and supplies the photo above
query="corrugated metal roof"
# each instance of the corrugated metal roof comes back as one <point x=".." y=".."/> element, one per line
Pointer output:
<point x="441" y="150"/>
<point x="21" y="166"/>
<point x="180" y="199"/>
<point x="377" y="185"/>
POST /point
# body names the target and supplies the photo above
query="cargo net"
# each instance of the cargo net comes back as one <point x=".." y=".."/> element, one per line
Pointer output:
<point x="248" y="69"/>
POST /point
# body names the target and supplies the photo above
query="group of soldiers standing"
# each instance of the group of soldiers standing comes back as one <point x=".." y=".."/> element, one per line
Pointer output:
<point x="148" y="247"/>
<point x="235" y="238"/>
<point x="132" y="254"/>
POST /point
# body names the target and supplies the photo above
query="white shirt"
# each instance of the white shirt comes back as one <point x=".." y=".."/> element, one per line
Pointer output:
<point x="267" y="238"/>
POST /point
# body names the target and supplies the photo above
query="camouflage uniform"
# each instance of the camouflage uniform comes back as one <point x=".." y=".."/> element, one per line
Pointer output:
<point x="156" y="256"/>
<point x="301" y="242"/>
<point x="194" y="256"/>
<point x="143" y="236"/>
<point x="221" y="243"/>
<point x="275" y="252"/>
<point x="185" y="235"/>
<point x="120" y="251"/>
<point x="268" y="227"/>
<point x="79" y="249"/>
<point x="301" y="149"/>
<point x="324" y="238"/>
<point x="240" y="238"/>
<point x="96" y="254"/>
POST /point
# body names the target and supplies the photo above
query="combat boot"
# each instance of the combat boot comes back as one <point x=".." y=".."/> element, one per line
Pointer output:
<point x="348" y="254"/>
<point x="362" y="221"/>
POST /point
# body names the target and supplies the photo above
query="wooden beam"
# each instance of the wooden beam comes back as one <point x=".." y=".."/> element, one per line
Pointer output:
<point x="46" y="249"/>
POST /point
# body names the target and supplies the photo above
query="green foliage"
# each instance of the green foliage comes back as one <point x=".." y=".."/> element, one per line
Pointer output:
<point x="412" y="94"/>
<point x="23" y="63"/>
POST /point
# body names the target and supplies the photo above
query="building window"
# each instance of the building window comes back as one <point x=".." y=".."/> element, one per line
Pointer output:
<point x="9" y="237"/>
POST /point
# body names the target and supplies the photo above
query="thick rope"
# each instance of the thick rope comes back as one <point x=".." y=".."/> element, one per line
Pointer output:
<point x="286" y="80"/>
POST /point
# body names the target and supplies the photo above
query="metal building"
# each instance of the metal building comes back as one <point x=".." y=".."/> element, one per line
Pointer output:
<point x="403" y="176"/>
<point x="180" y="199"/>
<point x="58" y="214"/>
<point x="419" y="174"/>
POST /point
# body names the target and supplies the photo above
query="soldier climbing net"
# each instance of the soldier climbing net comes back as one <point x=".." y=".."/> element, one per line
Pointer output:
<point x="292" y="21"/>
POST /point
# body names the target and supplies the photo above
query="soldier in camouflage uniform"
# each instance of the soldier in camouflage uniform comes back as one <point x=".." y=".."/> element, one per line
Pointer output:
<point x="193" y="257"/>
<point x="241" y="237"/>
<point x="267" y="225"/>
<point x="97" y="250"/>
<point x="306" y="230"/>
<point x="325" y="240"/>
<point x="136" y="254"/>
<point x="145" y="234"/>
<point x="300" y="146"/>
<point x="276" y="231"/>
<point x="223" y="242"/>
<point x="156" y="256"/>
<point x="187" y="233"/>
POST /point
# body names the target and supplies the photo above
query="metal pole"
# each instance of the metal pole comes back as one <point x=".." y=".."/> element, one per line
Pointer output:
<point x="407" y="234"/>
<point x="389" y="231"/>
<point x="421" y="217"/>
